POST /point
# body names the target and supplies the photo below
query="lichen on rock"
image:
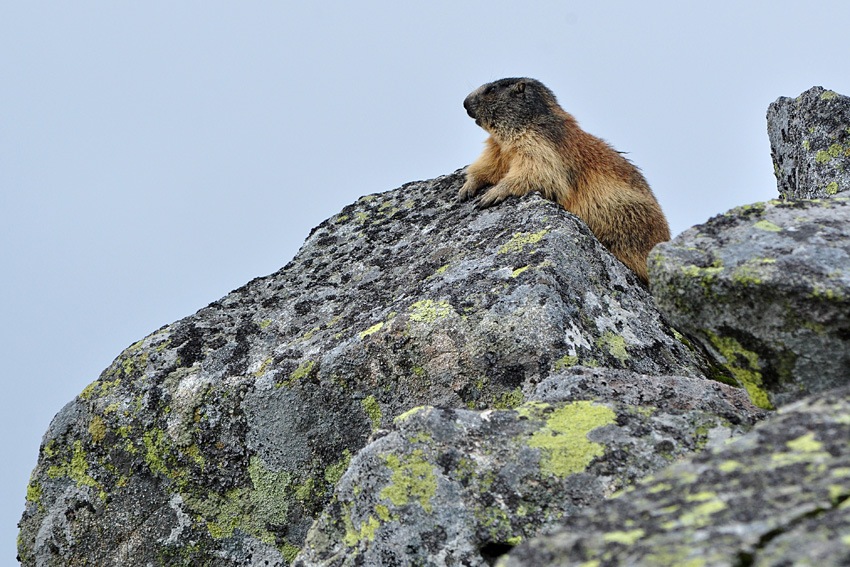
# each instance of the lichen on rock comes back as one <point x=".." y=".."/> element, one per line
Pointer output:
<point x="460" y="487"/>
<point x="220" y="437"/>
<point x="765" y="288"/>
<point x="776" y="496"/>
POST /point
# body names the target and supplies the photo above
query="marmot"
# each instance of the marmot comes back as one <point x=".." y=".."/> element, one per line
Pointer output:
<point x="534" y="145"/>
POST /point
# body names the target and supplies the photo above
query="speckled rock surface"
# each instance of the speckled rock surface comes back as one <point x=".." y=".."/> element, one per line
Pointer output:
<point x="766" y="288"/>
<point x="777" y="496"/>
<point x="810" y="143"/>
<point x="458" y="487"/>
<point x="218" y="439"/>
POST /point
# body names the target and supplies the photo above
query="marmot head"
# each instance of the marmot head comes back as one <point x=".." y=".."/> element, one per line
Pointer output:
<point x="509" y="106"/>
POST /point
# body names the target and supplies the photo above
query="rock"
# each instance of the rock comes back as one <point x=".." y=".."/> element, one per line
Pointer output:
<point x="766" y="289"/>
<point x="459" y="487"/>
<point x="777" y="496"/>
<point x="810" y="143"/>
<point x="219" y="438"/>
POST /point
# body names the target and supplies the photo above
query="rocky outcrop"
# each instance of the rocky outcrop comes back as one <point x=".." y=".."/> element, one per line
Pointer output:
<point x="766" y="288"/>
<point x="220" y="438"/>
<point x="283" y="424"/>
<point x="459" y="487"/>
<point x="777" y="496"/>
<point x="810" y="143"/>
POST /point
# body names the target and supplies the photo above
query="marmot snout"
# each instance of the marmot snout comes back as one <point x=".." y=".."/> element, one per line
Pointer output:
<point x="534" y="145"/>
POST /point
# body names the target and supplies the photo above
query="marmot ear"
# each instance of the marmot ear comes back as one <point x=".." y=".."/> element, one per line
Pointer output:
<point x="520" y="87"/>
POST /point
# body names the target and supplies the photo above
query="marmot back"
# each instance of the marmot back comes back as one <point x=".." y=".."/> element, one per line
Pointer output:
<point x="535" y="146"/>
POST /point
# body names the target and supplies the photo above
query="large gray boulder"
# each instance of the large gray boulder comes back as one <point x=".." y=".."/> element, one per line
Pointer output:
<point x="777" y="496"/>
<point x="459" y="487"/>
<point x="218" y="439"/>
<point x="766" y="289"/>
<point x="810" y="143"/>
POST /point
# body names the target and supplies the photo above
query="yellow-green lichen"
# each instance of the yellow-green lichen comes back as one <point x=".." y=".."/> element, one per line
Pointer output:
<point x="251" y="509"/>
<point x="805" y="444"/>
<point x="767" y="225"/>
<point x="563" y="439"/>
<point x="383" y="512"/>
<point x="97" y="429"/>
<point x="265" y="323"/>
<point x="263" y="367"/>
<point x="565" y="361"/>
<point x="409" y="413"/>
<point x="34" y="492"/>
<point x="335" y="471"/>
<point x="744" y="366"/>
<point x="521" y="239"/>
<point x="509" y="400"/>
<point x="828" y="95"/>
<point x="518" y="271"/>
<point x="701" y="496"/>
<point x="77" y="468"/>
<point x="289" y="551"/>
<point x="302" y="371"/>
<point x="746" y="275"/>
<point x="270" y="495"/>
<point x="366" y="532"/>
<point x="412" y="479"/>
<point x="373" y="329"/>
<point x="615" y="345"/>
<point x="729" y="466"/>
<point x="157" y="451"/>
<point x="625" y="538"/>
<point x="428" y="311"/>
<point x="373" y="410"/>
<point x="832" y="188"/>
<point x="699" y="516"/>
<point x="707" y="273"/>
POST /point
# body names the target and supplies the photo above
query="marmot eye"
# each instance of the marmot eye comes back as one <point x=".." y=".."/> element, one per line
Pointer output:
<point x="489" y="89"/>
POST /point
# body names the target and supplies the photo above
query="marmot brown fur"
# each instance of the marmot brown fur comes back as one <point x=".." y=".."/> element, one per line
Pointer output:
<point x="535" y="146"/>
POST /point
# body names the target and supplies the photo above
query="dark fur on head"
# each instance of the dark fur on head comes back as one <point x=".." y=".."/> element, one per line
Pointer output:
<point x="507" y="107"/>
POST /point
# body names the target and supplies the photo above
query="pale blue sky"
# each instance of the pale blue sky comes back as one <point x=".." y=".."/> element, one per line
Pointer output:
<point x="156" y="155"/>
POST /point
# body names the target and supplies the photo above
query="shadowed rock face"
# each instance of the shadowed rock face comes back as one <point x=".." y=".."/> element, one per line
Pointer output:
<point x="777" y="496"/>
<point x="810" y="143"/>
<point x="218" y="439"/>
<point x="766" y="288"/>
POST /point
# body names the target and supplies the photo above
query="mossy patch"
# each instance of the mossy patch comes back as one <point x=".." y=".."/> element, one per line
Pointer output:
<point x="563" y="439"/>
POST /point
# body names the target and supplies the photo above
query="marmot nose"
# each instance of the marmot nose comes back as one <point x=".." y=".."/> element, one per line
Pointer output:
<point x="467" y="104"/>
